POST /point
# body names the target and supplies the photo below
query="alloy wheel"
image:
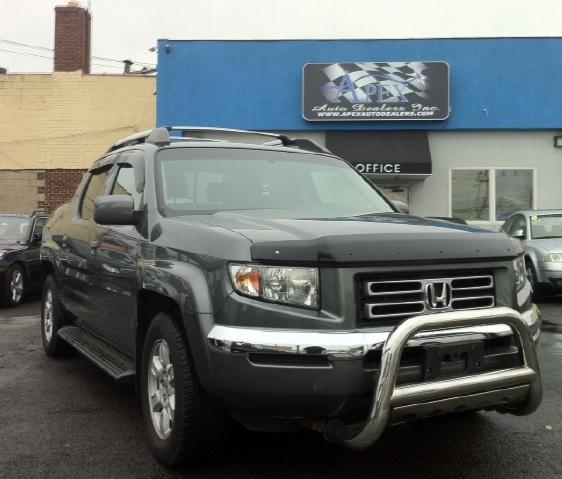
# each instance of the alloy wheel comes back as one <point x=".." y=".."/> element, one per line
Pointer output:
<point x="530" y="276"/>
<point x="161" y="391"/>
<point x="16" y="287"/>
<point x="48" y="316"/>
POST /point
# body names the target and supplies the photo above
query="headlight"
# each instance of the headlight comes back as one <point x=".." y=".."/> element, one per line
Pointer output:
<point x="2" y="252"/>
<point x="552" y="258"/>
<point x="520" y="272"/>
<point x="290" y="285"/>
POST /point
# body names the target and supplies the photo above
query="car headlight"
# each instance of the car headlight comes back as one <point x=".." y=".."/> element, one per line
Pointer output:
<point x="278" y="284"/>
<point x="520" y="272"/>
<point x="2" y="253"/>
<point x="552" y="258"/>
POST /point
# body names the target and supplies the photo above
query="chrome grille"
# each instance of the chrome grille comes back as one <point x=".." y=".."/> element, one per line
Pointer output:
<point x="400" y="296"/>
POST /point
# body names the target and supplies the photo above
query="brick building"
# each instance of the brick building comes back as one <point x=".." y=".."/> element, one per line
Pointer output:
<point x="52" y="127"/>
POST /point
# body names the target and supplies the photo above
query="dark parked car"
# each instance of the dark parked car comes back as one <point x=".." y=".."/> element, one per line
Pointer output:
<point x="20" y="271"/>
<point x="275" y="285"/>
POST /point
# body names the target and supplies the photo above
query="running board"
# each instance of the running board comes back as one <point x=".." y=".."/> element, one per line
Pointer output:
<point x="113" y="362"/>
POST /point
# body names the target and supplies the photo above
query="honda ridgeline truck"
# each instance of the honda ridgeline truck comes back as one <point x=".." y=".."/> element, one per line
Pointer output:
<point x="273" y="284"/>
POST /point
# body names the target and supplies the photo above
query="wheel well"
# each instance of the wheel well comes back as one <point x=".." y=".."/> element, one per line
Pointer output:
<point x="149" y="303"/>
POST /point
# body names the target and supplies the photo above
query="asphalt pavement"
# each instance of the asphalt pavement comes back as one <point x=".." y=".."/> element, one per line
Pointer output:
<point x="67" y="419"/>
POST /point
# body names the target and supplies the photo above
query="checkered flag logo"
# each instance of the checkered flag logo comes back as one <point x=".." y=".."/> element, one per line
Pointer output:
<point x="400" y="81"/>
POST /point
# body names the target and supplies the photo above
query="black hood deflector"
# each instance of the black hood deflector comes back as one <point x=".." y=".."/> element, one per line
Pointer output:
<point x="385" y="248"/>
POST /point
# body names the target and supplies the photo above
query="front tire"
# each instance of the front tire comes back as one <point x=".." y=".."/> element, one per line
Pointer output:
<point x="15" y="287"/>
<point x="53" y="317"/>
<point x="539" y="292"/>
<point x="180" y="422"/>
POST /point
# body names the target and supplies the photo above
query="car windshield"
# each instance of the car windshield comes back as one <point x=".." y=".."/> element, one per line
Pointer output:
<point x="262" y="182"/>
<point x="13" y="228"/>
<point x="546" y="226"/>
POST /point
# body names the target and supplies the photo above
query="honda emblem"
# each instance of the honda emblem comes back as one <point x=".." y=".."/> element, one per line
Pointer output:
<point x="438" y="295"/>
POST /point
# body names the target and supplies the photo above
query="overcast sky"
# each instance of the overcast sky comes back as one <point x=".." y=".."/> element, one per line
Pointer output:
<point x="128" y="28"/>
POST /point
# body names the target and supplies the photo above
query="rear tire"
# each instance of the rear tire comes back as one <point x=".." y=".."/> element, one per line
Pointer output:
<point x="15" y="286"/>
<point x="53" y="317"/>
<point x="180" y="422"/>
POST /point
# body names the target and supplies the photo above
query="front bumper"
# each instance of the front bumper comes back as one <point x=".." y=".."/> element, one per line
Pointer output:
<point x="342" y="345"/>
<point x="550" y="274"/>
<point x="341" y="381"/>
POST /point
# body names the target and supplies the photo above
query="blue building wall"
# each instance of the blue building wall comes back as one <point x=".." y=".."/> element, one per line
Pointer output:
<point x="495" y="83"/>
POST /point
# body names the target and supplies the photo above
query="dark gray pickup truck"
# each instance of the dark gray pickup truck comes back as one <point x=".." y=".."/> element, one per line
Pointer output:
<point x="273" y="284"/>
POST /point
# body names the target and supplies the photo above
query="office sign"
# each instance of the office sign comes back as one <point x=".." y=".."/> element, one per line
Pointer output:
<point x="372" y="91"/>
<point x="383" y="153"/>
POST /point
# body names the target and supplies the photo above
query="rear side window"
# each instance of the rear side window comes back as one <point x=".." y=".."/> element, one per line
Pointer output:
<point x="518" y="223"/>
<point x="38" y="227"/>
<point x="96" y="187"/>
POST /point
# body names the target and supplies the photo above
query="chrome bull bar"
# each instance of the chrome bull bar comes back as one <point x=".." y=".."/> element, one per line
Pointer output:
<point x="387" y="395"/>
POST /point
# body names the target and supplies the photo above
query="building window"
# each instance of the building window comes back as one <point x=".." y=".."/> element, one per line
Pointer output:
<point x="491" y="194"/>
<point x="471" y="194"/>
<point x="514" y="192"/>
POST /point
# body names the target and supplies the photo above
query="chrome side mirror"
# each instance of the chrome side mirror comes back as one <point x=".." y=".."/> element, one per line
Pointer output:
<point x="519" y="234"/>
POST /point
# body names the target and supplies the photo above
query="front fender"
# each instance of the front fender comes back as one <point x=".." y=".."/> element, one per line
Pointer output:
<point x="184" y="283"/>
<point x="10" y="258"/>
<point x="50" y="261"/>
<point x="197" y="294"/>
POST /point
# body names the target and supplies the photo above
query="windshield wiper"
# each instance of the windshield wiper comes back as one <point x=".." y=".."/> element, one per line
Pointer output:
<point x="546" y="237"/>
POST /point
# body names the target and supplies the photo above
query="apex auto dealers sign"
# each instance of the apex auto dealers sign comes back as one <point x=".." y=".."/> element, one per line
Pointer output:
<point x="376" y="91"/>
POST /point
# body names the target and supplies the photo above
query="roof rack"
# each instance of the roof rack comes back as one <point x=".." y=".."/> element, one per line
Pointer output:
<point x="161" y="136"/>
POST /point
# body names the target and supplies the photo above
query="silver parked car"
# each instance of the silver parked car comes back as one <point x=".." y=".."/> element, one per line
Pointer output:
<point x="541" y="233"/>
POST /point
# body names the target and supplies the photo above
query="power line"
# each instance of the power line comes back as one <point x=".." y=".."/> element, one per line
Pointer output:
<point x="51" y="58"/>
<point x="121" y="61"/>
<point x="106" y="66"/>
<point x="38" y="47"/>
<point x="26" y="54"/>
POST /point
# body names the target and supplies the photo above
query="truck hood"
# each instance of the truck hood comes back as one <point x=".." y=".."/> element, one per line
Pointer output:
<point x="372" y="238"/>
<point x="10" y="245"/>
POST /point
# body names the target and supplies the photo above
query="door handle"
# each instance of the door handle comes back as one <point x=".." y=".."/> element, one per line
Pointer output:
<point x="94" y="246"/>
<point x="67" y="262"/>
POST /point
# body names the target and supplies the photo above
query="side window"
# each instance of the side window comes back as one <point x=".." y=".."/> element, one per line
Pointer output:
<point x="96" y="187"/>
<point x="125" y="184"/>
<point x="38" y="228"/>
<point x="507" y="228"/>
<point x="517" y="224"/>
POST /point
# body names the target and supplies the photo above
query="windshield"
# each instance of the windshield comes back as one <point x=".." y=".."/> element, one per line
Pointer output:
<point x="13" y="228"/>
<point x="292" y="185"/>
<point x="546" y="226"/>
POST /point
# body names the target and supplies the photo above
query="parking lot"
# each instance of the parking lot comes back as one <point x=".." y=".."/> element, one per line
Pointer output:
<point x="65" y="418"/>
